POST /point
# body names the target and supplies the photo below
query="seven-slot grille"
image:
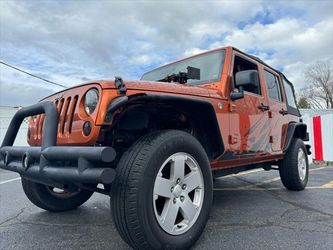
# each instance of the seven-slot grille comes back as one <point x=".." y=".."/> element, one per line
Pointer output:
<point x="66" y="109"/>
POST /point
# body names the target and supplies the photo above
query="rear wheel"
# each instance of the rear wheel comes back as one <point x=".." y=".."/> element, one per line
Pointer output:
<point x="162" y="195"/>
<point x="294" y="169"/>
<point x="54" y="199"/>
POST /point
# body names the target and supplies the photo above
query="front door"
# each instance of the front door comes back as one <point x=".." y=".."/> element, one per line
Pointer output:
<point x="249" y="122"/>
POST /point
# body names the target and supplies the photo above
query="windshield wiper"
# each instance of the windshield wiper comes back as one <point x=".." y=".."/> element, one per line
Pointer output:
<point x="182" y="77"/>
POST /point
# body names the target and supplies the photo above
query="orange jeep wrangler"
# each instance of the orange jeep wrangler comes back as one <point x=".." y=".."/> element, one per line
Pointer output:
<point x="155" y="145"/>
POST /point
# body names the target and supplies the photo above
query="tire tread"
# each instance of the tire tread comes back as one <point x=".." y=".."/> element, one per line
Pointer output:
<point x="125" y="187"/>
<point x="288" y="168"/>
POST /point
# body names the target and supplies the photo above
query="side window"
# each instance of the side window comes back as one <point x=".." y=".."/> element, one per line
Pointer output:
<point x="273" y="86"/>
<point x="241" y="64"/>
<point x="289" y="94"/>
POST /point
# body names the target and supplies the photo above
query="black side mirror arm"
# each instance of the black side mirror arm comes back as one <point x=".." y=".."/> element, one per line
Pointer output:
<point x="236" y="95"/>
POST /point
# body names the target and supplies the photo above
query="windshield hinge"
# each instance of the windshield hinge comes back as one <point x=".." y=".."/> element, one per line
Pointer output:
<point x="118" y="81"/>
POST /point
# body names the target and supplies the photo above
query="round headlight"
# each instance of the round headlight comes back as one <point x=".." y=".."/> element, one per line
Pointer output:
<point x="91" y="100"/>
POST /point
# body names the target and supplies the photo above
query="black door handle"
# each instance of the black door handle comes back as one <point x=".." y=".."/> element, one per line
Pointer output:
<point x="263" y="107"/>
<point x="283" y="112"/>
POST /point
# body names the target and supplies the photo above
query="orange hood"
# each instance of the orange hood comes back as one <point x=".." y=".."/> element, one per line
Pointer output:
<point x="160" y="87"/>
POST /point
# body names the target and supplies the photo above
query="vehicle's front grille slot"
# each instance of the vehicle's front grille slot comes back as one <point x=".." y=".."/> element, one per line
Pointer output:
<point x="37" y="126"/>
<point x="40" y="125"/>
<point x="71" y="117"/>
<point x="60" y="105"/>
<point x="64" y="115"/>
<point x="72" y="113"/>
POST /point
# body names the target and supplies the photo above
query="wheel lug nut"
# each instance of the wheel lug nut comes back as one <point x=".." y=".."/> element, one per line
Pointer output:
<point x="171" y="189"/>
<point x="182" y="198"/>
<point x="178" y="180"/>
<point x="174" y="200"/>
<point x="184" y="186"/>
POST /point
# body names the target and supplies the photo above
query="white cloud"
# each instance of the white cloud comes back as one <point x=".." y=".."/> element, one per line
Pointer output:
<point x="72" y="41"/>
<point x="294" y="44"/>
<point x="193" y="51"/>
<point x="143" y="59"/>
<point x="19" y="89"/>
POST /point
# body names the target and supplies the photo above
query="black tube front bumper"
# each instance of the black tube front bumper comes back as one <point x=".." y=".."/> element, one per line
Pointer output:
<point x="50" y="163"/>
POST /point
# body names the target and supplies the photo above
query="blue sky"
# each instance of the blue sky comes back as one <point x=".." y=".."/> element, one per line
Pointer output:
<point x="71" y="42"/>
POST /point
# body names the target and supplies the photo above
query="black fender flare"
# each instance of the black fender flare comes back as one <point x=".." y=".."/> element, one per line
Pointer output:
<point x="296" y="130"/>
<point x="195" y="108"/>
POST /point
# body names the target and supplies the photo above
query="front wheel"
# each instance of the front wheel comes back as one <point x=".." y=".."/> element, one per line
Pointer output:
<point x="162" y="195"/>
<point x="294" y="168"/>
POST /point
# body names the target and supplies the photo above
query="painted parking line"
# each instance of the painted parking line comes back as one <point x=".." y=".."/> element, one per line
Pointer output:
<point x="256" y="186"/>
<point x="315" y="169"/>
<point x="259" y="170"/>
<point x="273" y="180"/>
<point x="271" y="189"/>
<point x="327" y="185"/>
<point x="260" y="183"/>
<point x="243" y="173"/>
<point x="11" y="180"/>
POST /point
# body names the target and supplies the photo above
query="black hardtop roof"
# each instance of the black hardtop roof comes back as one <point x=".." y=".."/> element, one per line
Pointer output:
<point x="263" y="63"/>
<point x="258" y="60"/>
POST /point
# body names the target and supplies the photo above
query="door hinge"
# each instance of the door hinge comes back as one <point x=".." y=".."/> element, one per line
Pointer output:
<point x="270" y="115"/>
<point x="271" y="139"/>
<point x="232" y="107"/>
<point x="232" y="139"/>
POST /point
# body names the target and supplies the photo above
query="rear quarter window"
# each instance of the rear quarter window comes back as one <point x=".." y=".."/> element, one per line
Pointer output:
<point x="289" y="94"/>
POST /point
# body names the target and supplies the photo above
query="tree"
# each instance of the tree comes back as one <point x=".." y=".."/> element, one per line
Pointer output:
<point x="319" y="78"/>
<point x="303" y="103"/>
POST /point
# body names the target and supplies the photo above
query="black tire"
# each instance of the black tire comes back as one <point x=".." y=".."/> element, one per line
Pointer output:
<point x="44" y="197"/>
<point x="288" y="168"/>
<point x="132" y="192"/>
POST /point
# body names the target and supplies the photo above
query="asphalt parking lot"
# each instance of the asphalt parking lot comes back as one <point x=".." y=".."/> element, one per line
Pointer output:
<point x="251" y="210"/>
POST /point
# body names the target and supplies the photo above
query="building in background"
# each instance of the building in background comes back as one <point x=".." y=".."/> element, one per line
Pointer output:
<point x="6" y="115"/>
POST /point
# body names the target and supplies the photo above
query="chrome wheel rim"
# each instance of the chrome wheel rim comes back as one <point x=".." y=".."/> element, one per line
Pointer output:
<point x="301" y="164"/>
<point x="178" y="193"/>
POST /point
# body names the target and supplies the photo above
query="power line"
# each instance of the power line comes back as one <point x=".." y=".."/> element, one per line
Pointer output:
<point x="40" y="78"/>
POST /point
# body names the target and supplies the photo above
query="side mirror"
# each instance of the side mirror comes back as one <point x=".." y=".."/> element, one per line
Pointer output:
<point x="247" y="78"/>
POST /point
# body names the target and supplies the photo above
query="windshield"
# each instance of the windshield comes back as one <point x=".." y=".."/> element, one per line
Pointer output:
<point x="210" y="66"/>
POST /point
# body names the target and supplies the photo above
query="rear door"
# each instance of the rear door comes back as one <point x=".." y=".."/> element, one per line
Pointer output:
<point x="277" y="105"/>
